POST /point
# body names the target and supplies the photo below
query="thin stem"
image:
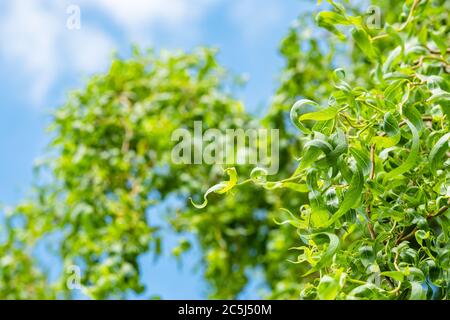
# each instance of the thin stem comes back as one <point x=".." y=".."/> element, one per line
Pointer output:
<point x="410" y="16"/>
<point x="423" y="58"/>
<point x="372" y="162"/>
<point x="438" y="213"/>
<point x="408" y="20"/>
<point x="436" y="51"/>
<point x="381" y="36"/>
<point x="356" y="281"/>
<point x="402" y="238"/>
<point x="371" y="177"/>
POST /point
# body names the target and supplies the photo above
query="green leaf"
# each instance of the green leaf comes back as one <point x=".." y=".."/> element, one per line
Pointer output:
<point x="363" y="42"/>
<point x="339" y="140"/>
<point x="319" y="217"/>
<point x="296" y="187"/>
<point x="328" y="288"/>
<point x="322" y="115"/>
<point x="421" y="235"/>
<point x="366" y="255"/>
<point x="259" y="175"/>
<point x="309" y="156"/>
<point x="301" y="107"/>
<point x="438" y="95"/>
<point x="390" y="124"/>
<point x="394" y="90"/>
<point x="412" y="158"/>
<point x="220" y="188"/>
<point x="351" y="198"/>
<point x="362" y="159"/>
<point x="438" y="151"/>
<point x="391" y="127"/>
<point x="328" y="20"/>
<point x="294" y="221"/>
<point x="396" y="275"/>
<point x="331" y="200"/>
<point x="332" y="18"/>
<point x="367" y="291"/>
<point x="393" y="58"/>
<point x="322" y="145"/>
<point x="440" y="39"/>
<point x="303" y="188"/>
<point x="414" y="116"/>
<point x="418" y="292"/>
<point x="327" y="256"/>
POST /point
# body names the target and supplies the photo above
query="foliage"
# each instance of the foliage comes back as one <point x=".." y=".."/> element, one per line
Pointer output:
<point x="361" y="196"/>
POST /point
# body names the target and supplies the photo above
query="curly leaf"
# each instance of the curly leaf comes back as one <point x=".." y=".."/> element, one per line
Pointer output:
<point x="327" y="256"/>
<point x="351" y="198"/>
<point x="438" y="151"/>
<point x="220" y="188"/>
<point x="298" y="109"/>
<point x="391" y="127"/>
<point x="259" y="175"/>
<point x="412" y="158"/>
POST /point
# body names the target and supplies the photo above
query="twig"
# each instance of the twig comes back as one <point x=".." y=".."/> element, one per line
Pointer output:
<point x="419" y="63"/>
<point x="436" y="51"/>
<point x="438" y="213"/>
<point x="402" y="238"/>
<point x="396" y="261"/>
<point x="371" y="177"/>
<point x="372" y="162"/>
<point x="369" y="224"/>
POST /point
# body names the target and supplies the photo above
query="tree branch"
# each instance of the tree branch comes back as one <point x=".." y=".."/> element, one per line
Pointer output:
<point x="413" y="231"/>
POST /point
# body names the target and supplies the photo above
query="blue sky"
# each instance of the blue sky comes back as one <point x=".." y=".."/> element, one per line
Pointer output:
<point x="41" y="60"/>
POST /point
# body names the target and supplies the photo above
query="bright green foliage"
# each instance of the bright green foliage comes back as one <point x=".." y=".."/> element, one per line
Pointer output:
<point x="361" y="197"/>
<point x="375" y="162"/>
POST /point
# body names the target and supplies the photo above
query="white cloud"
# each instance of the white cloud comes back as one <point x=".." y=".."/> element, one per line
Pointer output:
<point x="255" y="17"/>
<point x="88" y="50"/>
<point x="27" y="34"/>
<point x="133" y="14"/>
<point x="36" y="42"/>
<point x="137" y="16"/>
